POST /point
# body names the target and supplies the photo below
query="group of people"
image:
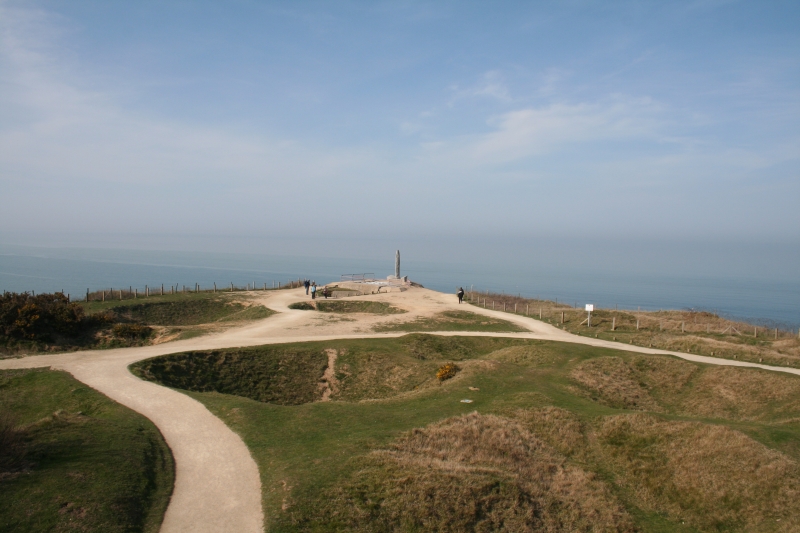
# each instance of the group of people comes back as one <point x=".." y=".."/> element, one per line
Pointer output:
<point x="312" y="287"/>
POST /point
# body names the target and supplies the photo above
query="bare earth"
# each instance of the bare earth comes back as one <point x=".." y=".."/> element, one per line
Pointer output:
<point x="217" y="485"/>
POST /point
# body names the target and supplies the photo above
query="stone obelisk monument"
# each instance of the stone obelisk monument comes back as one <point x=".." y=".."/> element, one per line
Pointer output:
<point x="397" y="264"/>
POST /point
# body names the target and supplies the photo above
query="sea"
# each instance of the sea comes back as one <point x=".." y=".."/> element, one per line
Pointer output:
<point x="758" y="283"/>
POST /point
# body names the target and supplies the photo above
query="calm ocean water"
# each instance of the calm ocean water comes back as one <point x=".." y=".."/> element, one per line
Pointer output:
<point x="651" y="282"/>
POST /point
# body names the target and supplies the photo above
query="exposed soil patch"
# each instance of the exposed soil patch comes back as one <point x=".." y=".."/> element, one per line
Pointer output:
<point x="329" y="383"/>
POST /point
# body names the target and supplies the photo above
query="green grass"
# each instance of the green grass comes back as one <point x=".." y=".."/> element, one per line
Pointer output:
<point x="452" y="321"/>
<point x="180" y="309"/>
<point x="279" y="375"/>
<point x="357" y="306"/>
<point x="89" y="463"/>
<point x="682" y="331"/>
<point x="320" y="472"/>
<point x="347" y="306"/>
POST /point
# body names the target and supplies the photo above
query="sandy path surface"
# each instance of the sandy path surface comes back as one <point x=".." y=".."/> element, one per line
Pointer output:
<point x="217" y="484"/>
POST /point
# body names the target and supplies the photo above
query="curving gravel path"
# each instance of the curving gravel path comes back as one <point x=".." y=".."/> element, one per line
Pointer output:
<point x="217" y="484"/>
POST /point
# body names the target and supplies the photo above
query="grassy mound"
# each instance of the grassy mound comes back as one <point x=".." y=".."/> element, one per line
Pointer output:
<point x="470" y="473"/>
<point x="356" y="306"/>
<point x="77" y="461"/>
<point x="347" y="306"/>
<point x="187" y="312"/>
<point x="665" y="384"/>
<point x="452" y="321"/>
<point x="265" y="374"/>
<point x="715" y="477"/>
<point x="303" y="306"/>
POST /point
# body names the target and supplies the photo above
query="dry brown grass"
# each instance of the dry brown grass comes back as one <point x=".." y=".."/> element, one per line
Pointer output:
<point x="614" y="382"/>
<point x="473" y="473"/>
<point x="558" y="427"/>
<point x="657" y="383"/>
<point x="676" y="330"/>
<point x="744" y="394"/>
<point x="712" y="477"/>
<point x="523" y="355"/>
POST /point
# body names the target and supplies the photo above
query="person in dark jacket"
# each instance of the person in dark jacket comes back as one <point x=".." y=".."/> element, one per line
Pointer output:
<point x="460" y="294"/>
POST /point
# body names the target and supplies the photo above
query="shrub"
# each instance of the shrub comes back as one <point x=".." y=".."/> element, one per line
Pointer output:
<point x="43" y="317"/>
<point x="447" y="371"/>
<point x="132" y="331"/>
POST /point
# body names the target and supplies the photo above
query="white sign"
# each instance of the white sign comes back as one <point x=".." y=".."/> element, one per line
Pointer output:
<point x="590" y="307"/>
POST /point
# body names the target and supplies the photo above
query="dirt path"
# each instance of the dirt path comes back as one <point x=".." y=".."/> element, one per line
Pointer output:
<point x="217" y="484"/>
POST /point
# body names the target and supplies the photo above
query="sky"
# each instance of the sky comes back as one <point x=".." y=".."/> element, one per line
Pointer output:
<point x="625" y="119"/>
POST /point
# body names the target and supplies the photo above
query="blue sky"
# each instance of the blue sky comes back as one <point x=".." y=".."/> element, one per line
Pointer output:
<point x="675" y="120"/>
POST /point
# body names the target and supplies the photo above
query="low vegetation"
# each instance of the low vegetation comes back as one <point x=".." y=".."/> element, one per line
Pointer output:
<point x="528" y="436"/>
<point x="452" y="321"/>
<point x="50" y="322"/>
<point x="447" y="371"/>
<point x="179" y="309"/>
<point x="348" y="306"/>
<point x="264" y="374"/>
<point x="73" y="460"/>
<point x="698" y="332"/>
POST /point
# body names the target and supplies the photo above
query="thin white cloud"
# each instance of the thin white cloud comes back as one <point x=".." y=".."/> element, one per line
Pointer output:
<point x="535" y="131"/>
<point x="70" y="132"/>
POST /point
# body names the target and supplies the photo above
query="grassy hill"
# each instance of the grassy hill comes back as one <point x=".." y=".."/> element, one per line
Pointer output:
<point x="73" y="460"/>
<point x="696" y="332"/>
<point x="555" y="437"/>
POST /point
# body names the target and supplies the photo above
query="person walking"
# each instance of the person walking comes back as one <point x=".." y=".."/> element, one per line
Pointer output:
<point x="313" y="291"/>
<point x="460" y="294"/>
<point x="306" y="284"/>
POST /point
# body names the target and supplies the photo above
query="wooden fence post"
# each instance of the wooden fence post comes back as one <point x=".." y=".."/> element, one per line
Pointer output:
<point x="87" y="294"/>
<point x="562" y="317"/>
<point x="231" y="286"/>
<point x="136" y="294"/>
<point x="120" y="295"/>
<point x="215" y="287"/>
<point x="162" y="289"/>
<point x="613" y="323"/>
<point x="540" y="313"/>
